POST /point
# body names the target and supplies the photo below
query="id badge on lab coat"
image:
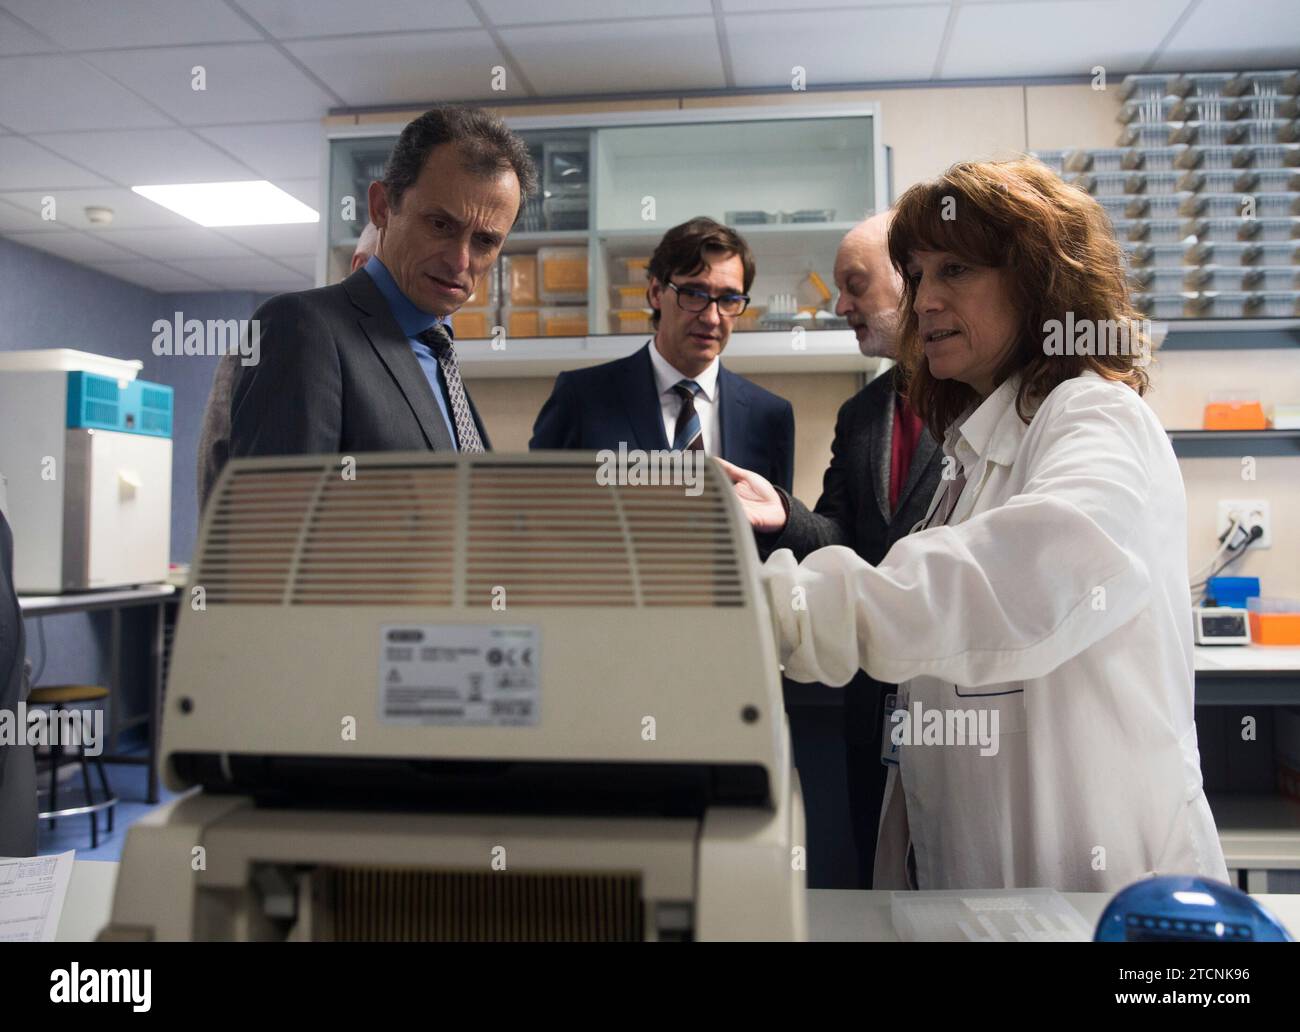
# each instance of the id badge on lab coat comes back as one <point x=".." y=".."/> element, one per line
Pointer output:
<point x="888" y="750"/>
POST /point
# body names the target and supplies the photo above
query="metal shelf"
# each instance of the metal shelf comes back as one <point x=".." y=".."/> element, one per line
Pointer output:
<point x="1206" y="444"/>
<point x="1231" y="334"/>
<point x="530" y="241"/>
<point x="771" y="230"/>
<point x="823" y="351"/>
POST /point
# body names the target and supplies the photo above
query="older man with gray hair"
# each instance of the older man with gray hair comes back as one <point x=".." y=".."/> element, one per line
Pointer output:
<point x="884" y="470"/>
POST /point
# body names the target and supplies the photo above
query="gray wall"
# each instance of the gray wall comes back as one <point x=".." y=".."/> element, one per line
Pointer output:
<point x="46" y="302"/>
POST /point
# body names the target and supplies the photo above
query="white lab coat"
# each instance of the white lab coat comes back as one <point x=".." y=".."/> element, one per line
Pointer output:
<point x="1057" y="595"/>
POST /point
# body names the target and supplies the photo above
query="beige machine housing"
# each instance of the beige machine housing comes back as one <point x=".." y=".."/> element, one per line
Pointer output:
<point x="432" y="696"/>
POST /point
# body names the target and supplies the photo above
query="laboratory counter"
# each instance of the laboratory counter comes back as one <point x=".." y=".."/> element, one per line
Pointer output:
<point x="834" y="915"/>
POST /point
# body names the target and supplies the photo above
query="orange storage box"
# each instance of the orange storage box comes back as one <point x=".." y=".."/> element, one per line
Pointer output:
<point x="485" y="294"/>
<point x="633" y="270"/>
<point x="1229" y="411"/>
<point x="469" y="323"/>
<point x="564" y="322"/>
<point x="1273" y="621"/>
<point x="562" y="274"/>
<point x="630" y="296"/>
<point x="630" y="320"/>
<point x="522" y="322"/>
<point x="519" y="279"/>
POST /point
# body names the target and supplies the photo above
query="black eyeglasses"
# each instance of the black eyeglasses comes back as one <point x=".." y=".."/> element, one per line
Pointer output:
<point x="690" y="299"/>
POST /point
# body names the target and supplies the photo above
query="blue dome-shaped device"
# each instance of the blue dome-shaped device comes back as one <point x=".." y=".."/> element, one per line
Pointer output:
<point x="1182" y="908"/>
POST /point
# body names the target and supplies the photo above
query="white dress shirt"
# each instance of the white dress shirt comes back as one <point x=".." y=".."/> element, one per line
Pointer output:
<point x="1057" y="596"/>
<point x="706" y="400"/>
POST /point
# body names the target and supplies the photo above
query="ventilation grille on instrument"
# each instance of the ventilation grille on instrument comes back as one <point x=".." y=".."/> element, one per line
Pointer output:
<point x="385" y="905"/>
<point x="156" y="412"/>
<point x="469" y="533"/>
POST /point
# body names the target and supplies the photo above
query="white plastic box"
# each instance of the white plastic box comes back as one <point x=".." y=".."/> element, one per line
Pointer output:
<point x="1162" y="206"/>
<point x="90" y="506"/>
<point x="1224" y="304"/>
<point x="1159" y="159"/>
<point x="987" y="915"/>
<point x="1279" y="305"/>
<point x="1222" y="277"/>
<point x="1277" y="229"/>
<point x="1231" y="252"/>
<point x="1164" y="256"/>
<point x="1277" y="277"/>
<point x="1277" y="205"/>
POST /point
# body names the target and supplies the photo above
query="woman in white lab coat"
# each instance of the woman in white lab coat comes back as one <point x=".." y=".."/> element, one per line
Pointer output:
<point x="1041" y="613"/>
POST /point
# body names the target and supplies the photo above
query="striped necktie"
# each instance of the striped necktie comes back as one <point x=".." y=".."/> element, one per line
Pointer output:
<point x="687" y="434"/>
<point x="467" y="438"/>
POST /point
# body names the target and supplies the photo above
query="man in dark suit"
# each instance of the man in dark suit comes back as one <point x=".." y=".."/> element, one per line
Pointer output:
<point x="368" y="364"/>
<point x="884" y="470"/>
<point x="674" y="393"/>
<point x="214" y="436"/>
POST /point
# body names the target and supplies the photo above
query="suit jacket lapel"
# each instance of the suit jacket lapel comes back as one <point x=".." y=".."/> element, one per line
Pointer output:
<point x="641" y="400"/>
<point x="394" y="350"/>
<point x="734" y="412"/>
<point x="925" y="449"/>
<point x="879" y="450"/>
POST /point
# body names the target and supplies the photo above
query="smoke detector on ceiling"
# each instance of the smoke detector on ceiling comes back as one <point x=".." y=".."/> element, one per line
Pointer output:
<point x="99" y="216"/>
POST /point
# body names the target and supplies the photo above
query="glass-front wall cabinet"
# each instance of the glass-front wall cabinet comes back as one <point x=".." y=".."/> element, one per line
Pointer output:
<point x="575" y="264"/>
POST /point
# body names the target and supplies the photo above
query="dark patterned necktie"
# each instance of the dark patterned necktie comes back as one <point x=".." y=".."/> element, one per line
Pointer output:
<point x="467" y="438"/>
<point x="688" y="435"/>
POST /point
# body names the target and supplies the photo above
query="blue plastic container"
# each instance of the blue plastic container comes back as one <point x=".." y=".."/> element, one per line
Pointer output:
<point x="1183" y="908"/>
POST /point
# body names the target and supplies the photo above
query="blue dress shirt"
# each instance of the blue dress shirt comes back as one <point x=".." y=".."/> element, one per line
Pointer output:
<point x="413" y="322"/>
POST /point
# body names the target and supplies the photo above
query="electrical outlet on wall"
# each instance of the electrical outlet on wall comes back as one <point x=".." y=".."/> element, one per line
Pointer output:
<point x="1254" y="511"/>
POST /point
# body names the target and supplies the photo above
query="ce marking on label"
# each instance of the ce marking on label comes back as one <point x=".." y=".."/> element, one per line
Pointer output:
<point x="510" y="657"/>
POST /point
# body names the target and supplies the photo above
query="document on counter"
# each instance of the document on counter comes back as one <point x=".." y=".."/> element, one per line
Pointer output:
<point x="32" y="890"/>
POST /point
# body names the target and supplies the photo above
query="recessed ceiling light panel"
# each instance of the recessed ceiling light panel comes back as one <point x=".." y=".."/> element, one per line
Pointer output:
<point x="252" y="203"/>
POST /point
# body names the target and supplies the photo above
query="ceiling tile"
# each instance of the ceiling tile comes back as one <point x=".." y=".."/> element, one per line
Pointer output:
<point x="530" y="12"/>
<point x="1063" y="37"/>
<point x="14" y="219"/>
<point x="174" y="242"/>
<point x="25" y="166"/>
<point x="241" y="79"/>
<point x="137" y="157"/>
<point x="132" y="23"/>
<point x="292" y="239"/>
<point x="72" y="245"/>
<point x="292" y="19"/>
<point x="414" y="68"/>
<point x="153" y="275"/>
<point x="619" y="57"/>
<point x="1224" y="35"/>
<point x="16" y="38"/>
<point x="130" y="210"/>
<point x="54" y="93"/>
<point x="306" y="190"/>
<point x="304" y="265"/>
<point x="244" y="273"/>
<point x="276" y="149"/>
<point x="824" y="7"/>
<point x="873" y="45"/>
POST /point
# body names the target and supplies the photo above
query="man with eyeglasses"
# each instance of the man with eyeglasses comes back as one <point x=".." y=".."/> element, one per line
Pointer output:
<point x="673" y="393"/>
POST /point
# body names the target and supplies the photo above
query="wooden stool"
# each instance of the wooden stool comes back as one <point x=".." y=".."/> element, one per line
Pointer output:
<point x="58" y="695"/>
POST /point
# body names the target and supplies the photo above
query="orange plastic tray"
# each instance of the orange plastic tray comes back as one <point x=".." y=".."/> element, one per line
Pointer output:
<point x="1222" y="415"/>
<point x="1275" y="628"/>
